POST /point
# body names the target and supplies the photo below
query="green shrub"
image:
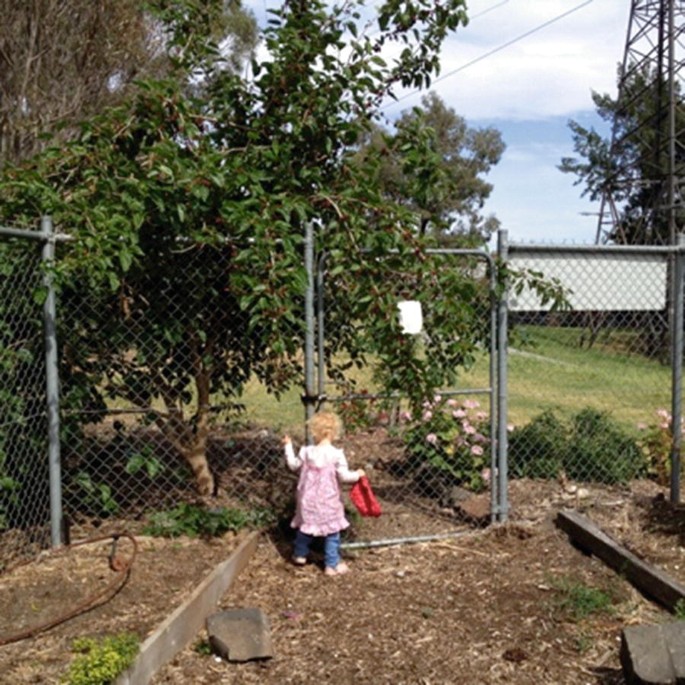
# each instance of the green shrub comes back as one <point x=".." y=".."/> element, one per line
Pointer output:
<point x="100" y="661"/>
<point x="196" y="521"/>
<point x="590" y="447"/>
<point x="599" y="450"/>
<point x="537" y="450"/>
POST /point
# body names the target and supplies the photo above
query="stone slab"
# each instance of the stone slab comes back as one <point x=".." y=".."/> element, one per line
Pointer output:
<point x="654" y="654"/>
<point x="240" y="634"/>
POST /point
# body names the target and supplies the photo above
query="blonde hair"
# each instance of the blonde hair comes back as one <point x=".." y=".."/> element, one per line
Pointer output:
<point x="325" y="425"/>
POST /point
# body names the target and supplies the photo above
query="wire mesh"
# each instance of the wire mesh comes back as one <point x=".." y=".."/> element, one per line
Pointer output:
<point x="162" y="393"/>
<point x="163" y="387"/>
<point x="24" y="482"/>
<point x="429" y="458"/>
<point x="589" y="391"/>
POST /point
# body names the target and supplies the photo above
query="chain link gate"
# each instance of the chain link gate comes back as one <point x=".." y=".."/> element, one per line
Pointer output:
<point x="594" y="391"/>
<point x="435" y="474"/>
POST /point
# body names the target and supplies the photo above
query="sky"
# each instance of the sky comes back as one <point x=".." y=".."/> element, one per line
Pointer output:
<point x="526" y="68"/>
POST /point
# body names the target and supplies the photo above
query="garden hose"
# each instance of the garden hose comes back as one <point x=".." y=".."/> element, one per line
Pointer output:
<point x="119" y="565"/>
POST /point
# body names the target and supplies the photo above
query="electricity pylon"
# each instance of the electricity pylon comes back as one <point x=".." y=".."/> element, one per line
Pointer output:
<point x="643" y="198"/>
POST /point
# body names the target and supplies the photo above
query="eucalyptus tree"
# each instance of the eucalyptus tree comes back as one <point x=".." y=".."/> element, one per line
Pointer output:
<point x="435" y="163"/>
<point x="62" y="61"/>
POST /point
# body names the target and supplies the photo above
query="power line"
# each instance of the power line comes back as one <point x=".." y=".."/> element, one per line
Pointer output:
<point x="488" y="9"/>
<point x="499" y="48"/>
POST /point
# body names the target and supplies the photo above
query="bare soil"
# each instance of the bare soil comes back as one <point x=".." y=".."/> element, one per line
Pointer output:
<point x="488" y="605"/>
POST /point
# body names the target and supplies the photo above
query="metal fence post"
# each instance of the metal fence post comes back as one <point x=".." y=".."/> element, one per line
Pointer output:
<point x="309" y="389"/>
<point x="502" y="342"/>
<point x="320" y="326"/>
<point x="52" y="386"/>
<point x="677" y="371"/>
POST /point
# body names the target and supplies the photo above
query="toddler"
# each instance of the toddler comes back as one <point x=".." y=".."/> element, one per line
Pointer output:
<point x="320" y="511"/>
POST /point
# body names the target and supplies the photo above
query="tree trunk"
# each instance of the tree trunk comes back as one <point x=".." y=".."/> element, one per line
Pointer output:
<point x="191" y="440"/>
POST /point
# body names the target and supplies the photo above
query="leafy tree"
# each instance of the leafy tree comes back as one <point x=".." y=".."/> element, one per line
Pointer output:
<point x="199" y="196"/>
<point x="631" y="170"/>
<point x="631" y="173"/>
<point x="64" y="60"/>
<point x="434" y="163"/>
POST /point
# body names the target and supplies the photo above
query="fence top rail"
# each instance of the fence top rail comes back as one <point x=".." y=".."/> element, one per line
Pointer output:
<point x="33" y="234"/>
<point x="599" y="249"/>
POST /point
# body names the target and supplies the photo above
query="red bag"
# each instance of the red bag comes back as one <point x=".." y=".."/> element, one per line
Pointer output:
<point x="363" y="498"/>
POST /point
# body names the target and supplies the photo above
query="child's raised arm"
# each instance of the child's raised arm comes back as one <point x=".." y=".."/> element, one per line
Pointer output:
<point x="293" y="462"/>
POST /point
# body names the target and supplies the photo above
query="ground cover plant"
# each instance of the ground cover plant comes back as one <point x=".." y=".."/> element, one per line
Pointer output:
<point x="100" y="661"/>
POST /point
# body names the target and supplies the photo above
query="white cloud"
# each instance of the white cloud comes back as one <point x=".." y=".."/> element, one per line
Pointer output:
<point x="508" y="64"/>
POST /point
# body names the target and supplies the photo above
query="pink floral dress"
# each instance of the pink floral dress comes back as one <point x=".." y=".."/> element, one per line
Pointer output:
<point x="320" y="509"/>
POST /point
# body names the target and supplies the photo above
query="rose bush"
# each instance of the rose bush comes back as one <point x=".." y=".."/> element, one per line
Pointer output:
<point x="451" y="436"/>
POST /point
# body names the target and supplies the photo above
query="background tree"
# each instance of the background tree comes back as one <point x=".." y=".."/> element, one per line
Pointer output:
<point x="631" y="170"/>
<point x="631" y="174"/>
<point x="200" y="196"/>
<point x="62" y="61"/>
<point x="434" y="163"/>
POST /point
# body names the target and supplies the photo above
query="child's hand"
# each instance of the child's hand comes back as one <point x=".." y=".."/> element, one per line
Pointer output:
<point x="287" y="440"/>
<point x="361" y="473"/>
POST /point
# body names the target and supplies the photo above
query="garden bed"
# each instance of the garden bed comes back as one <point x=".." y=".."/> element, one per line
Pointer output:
<point x="509" y="603"/>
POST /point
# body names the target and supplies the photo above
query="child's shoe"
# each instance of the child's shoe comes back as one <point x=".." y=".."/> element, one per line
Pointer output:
<point x="339" y="570"/>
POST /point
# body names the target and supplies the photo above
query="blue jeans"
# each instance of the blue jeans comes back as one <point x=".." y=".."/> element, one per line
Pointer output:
<point x="331" y="547"/>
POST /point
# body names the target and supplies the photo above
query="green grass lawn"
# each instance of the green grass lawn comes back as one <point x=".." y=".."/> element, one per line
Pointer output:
<point x="555" y="373"/>
<point x="549" y="371"/>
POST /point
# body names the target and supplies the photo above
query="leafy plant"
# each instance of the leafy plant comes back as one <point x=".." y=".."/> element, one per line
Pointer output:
<point x="195" y="521"/>
<point x="203" y="647"/>
<point x="144" y="460"/>
<point x="600" y="450"/>
<point x="679" y="609"/>
<point x="451" y="436"/>
<point x="100" y="661"/>
<point x="578" y="600"/>
<point x="97" y="497"/>
<point x="537" y="449"/>
<point x="590" y="447"/>
<point x="656" y="442"/>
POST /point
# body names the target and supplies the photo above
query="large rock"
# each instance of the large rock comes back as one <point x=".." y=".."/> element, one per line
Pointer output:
<point x="654" y="655"/>
<point x="476" y="509"/>
<point x="240" y="634"/>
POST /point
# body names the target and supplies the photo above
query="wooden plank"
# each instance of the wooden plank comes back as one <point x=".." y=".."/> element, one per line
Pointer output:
<point x="652" y="582"/>
<point x="187" y="620"/>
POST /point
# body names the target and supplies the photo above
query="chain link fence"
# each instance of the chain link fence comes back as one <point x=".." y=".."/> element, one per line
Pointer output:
<point x="24" y="470"/>
<point x="163" y="399"/>
<point x="163" y="406"/>
<point x="590" y="387"/>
